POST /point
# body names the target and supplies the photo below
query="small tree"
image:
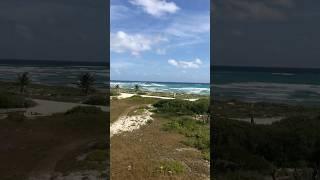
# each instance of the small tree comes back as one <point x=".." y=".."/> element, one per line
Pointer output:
<point x="117" y="87"/>
<point x="23" y="81"/>
<point x="86" y="81"/>
<point x="136" y="87"/>
<point x="252" y="114"/>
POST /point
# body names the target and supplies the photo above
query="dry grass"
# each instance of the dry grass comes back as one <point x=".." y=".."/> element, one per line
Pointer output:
<point x="141" y="153"/>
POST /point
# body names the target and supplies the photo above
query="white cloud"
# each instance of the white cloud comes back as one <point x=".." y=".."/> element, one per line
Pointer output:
<point x="190" y="25"/>
<point x="161" y="51"/>
<point x="118" y="12"/>
<point x="156" y="8"/>
<point x="135" y="44"/>
<point x="185" y="64"/>
<point x="117" y="67"/>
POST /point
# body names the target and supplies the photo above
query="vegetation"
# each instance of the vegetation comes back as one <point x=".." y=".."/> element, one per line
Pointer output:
<point x="114" y="93"/>
<point x="97" y="100"/>
<point x="8" y="100"/>
<point x="136" y="88"/>
<point x="181" y="120"/>
<point x="184" y="107"/>
<point x="117" y="87"/>
<point x="85" y="119"/>
<point x="86" y="81"/>
<point x="261" y="150"/>
<point x="171" y="167"/>
<point x="23" y="81"/>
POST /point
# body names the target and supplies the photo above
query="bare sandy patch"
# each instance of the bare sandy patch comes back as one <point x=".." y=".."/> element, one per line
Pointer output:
<point x="128" y="95"/>
<point x="129" y="123"/>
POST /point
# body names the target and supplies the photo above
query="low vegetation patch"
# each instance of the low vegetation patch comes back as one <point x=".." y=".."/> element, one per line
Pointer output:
<point x="293" y="142"/>
<point x="180" y="115"/>
<point x="183" y="107"/>
<point x="114" y="92"/>
<point x="86" y="119"/>
<point x="97" y="100"/>
<point x="171" y="167"/>
<point x="197" y="133"/>
<point x="8" y="100"/>
<point x="16" y="116"/>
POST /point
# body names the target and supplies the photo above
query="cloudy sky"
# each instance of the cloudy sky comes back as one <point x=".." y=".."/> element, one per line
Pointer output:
<point x="160" y="40"/>
<point x="267" y="33"/>
<point x="73" y="30"/>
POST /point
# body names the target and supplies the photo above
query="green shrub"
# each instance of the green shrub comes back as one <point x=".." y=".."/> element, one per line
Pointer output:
<point x="97" y="100"/>
<point x="114" y="93"/>
<point x="14" y="101"/>
<point x="171" y="166"/>
<point x="16" y="116"/>
<point x="91" y="120"/>
<point x="182" y="106"/>
<point x="197" y="133"/>
<point x="97" y="155"/>
<point x="141" y="93"/>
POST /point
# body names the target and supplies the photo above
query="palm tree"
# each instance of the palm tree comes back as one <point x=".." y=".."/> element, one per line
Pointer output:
<point x="86" y="82"/>
<point x="117" y="88"/>
<point x="23" y="81"/>
<point x="136" y="87"/>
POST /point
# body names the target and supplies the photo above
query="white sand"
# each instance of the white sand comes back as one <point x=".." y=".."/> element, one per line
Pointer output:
<point x="124" y="95"/>
<point x="130" y="123"/>
<point x="47" y="108"/>
<point x="128" y="95"/>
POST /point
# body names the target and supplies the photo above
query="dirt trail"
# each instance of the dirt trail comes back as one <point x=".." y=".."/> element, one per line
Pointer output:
<point x="44" y="170"/>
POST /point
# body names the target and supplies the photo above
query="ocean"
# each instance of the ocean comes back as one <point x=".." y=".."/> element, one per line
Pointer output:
<point x="60" y="73"/>
<point x="67" y="74"/>
<point x="170" y="87"/>
<point x="278" y="85"/>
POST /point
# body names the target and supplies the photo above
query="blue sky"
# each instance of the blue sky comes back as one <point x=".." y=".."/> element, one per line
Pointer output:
<point x="160" y="40"/>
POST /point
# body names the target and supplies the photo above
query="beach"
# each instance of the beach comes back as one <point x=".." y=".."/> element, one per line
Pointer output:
<point x="266" y="118"/>
<point x="141" y="148"/>
<point x="48" y="127"/>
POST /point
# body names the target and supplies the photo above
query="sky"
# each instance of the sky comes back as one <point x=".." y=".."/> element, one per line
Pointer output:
<point x="71" y="30"/>
<point x="276" y="33"/>
<point x="160" y="40"/>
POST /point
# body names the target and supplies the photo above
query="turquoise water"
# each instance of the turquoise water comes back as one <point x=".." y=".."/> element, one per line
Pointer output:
<point x="171" y="87"/>
<point x="55" y="73"/>
<point x="280" y="85"/>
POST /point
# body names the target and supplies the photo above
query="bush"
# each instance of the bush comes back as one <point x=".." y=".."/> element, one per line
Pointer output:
<point x="182" y="106"/>
<point x="97" y="155"/>
<point x="141" y="93"/>
<point x="171" y="167"/>
<point x="198" y="133"/>
<point x="91" y="120"/>
<point x="14" y="101"/>
<point x="16" y="116"/>
<point x="97" y="100"/>
<point x="114" y="93"/>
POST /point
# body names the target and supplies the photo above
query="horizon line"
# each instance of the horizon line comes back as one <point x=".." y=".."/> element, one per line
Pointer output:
<point x="256" y="66"/>
<point x="161" y="81"/>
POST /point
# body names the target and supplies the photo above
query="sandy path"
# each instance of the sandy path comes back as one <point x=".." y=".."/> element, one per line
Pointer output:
<point x="265" y="121"/>
<point x="47" y="108"/>
<point x="44" y="170"/>
<point x="127" y="123"/>
<point x="128" y="95"/>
